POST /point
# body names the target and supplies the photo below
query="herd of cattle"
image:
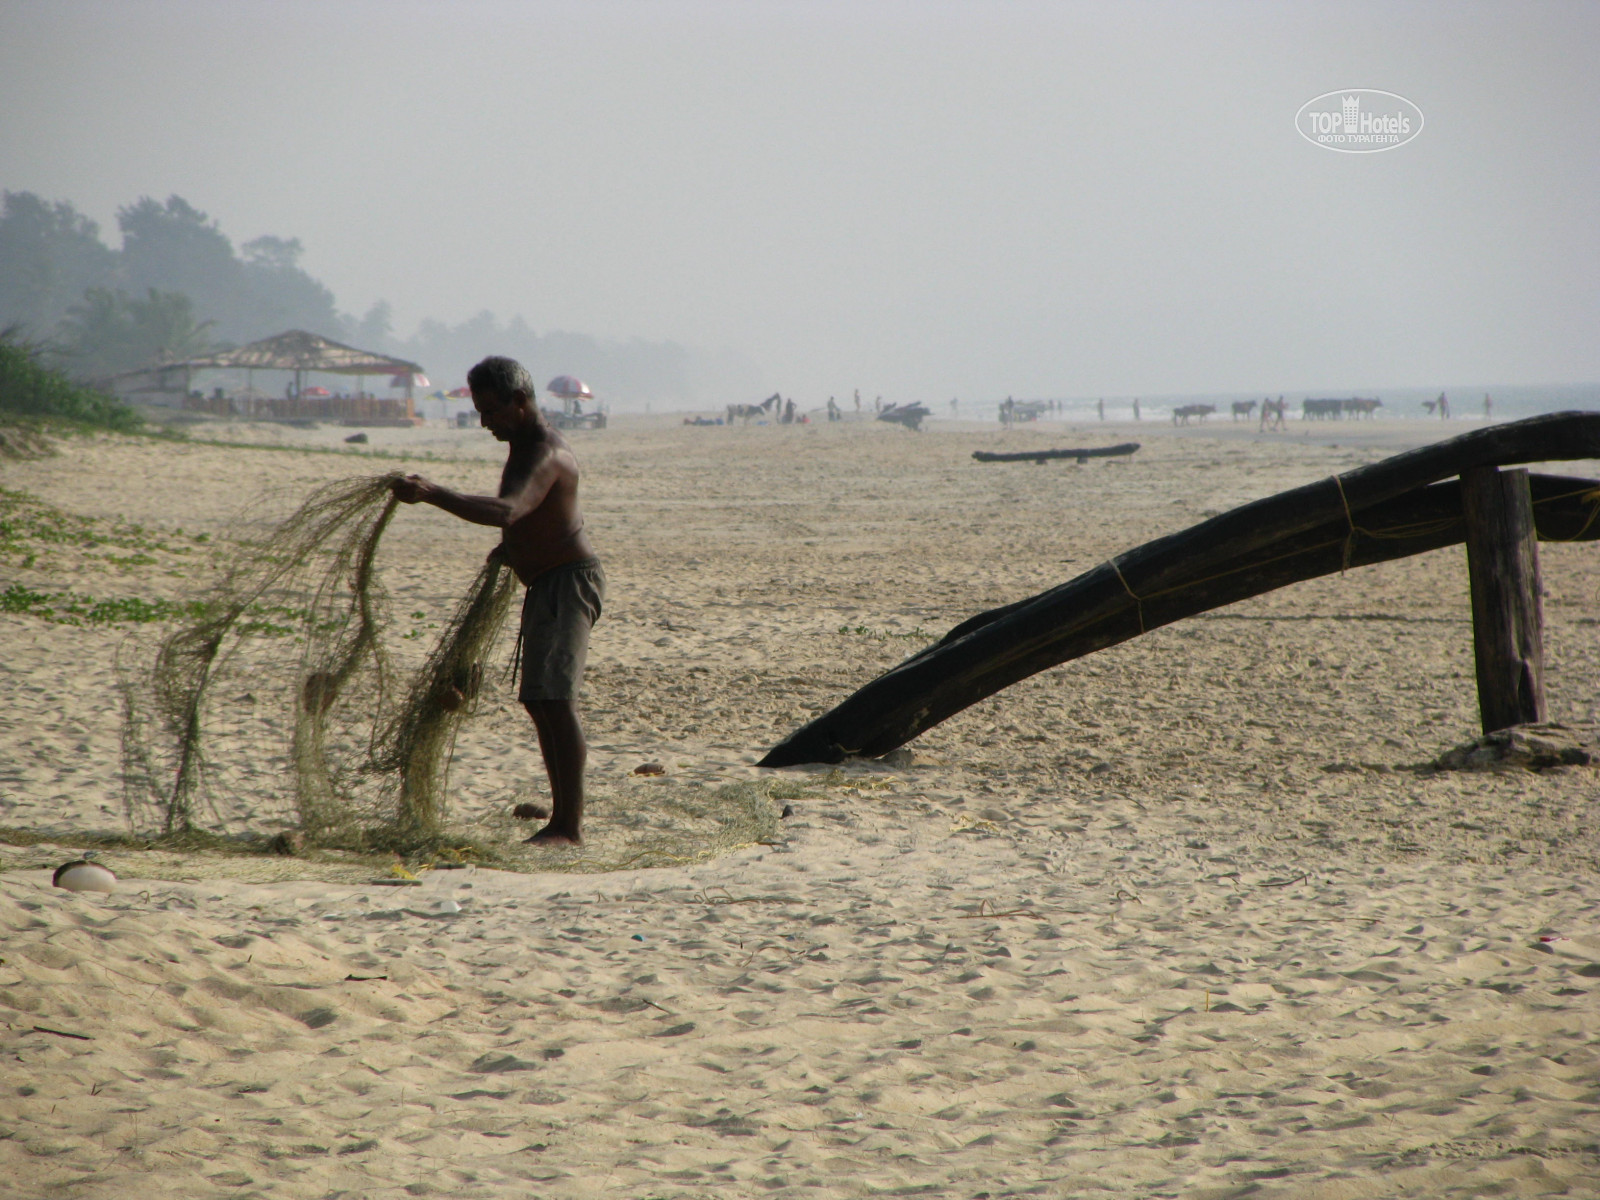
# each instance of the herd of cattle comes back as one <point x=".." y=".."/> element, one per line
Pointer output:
<point x="1310" y="410"/>
<point x="773" y="408"/>
<point x="1335" y="410"/>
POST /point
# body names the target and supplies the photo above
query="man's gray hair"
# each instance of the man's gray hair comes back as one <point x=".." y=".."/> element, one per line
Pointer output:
<point x="500" y="376"/>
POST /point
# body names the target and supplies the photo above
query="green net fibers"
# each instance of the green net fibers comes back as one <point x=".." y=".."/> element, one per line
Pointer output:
<point x="415" y="742"/>
<point x="296" y="708"/>
<point x="228" y="731"/>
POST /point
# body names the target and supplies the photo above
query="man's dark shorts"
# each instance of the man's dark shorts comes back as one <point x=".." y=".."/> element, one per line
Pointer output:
<point x="560" y="608"/>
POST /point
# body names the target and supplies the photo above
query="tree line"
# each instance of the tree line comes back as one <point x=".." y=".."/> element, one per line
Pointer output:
<point x="178" y="287"/>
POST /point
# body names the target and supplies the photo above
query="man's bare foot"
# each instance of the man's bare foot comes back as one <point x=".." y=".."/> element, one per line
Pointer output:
<point x="551" y="836"/>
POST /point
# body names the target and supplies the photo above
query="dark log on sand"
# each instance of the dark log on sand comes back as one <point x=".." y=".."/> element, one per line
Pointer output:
<point x="1040" y="456"/>
<point x="1364" y="516"/>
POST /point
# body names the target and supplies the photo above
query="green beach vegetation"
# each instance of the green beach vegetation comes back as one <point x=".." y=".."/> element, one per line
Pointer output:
<point x="32" y="390"/>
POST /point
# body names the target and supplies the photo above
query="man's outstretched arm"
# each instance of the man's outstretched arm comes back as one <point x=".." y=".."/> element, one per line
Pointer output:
<point x="480" y="510"/>
<point x="496" y="511"/>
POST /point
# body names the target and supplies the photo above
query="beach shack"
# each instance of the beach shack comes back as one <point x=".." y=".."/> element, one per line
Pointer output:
<point x="295" y="356"/>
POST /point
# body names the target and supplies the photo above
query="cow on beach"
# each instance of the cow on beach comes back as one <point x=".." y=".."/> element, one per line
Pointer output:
<point x="744" y="412"/>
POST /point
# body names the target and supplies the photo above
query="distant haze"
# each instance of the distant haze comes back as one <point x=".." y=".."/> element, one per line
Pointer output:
<point x="919" y="200"/>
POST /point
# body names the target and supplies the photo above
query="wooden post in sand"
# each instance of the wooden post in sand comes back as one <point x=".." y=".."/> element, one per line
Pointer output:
<point x="1507" y="620"/>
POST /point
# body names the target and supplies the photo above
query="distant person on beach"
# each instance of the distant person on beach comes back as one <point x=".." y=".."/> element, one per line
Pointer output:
<point x="1444" y="406"/>
<point x="543" y="541"/>
<point x="1101" y="406"/>
<point x="1488" y="406"/>
<point x="1136" y="408"/>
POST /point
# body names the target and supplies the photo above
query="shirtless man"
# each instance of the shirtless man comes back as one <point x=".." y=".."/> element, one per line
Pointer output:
<point x="543" y="541"/>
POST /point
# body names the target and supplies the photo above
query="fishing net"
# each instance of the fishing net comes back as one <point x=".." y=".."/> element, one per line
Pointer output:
<point x="289" y="712"/>
<point x="279" y="703"/>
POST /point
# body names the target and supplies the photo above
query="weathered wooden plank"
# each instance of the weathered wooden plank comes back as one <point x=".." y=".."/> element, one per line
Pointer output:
<point x="1507" y="619"/>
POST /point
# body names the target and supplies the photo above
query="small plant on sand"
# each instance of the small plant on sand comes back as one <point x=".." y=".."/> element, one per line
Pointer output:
<point x="879" y="635"/>
<point x="29" y="525"/>
<point x="74" y="608"/>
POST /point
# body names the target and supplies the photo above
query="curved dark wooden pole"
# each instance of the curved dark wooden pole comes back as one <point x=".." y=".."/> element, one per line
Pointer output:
<point x="1338" y="522"/>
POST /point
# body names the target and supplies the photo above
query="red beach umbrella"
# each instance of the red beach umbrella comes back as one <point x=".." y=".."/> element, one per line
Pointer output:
<point x="316" y="391"/>
<point x="460" y="393"/>
<point x="569" y="387"/>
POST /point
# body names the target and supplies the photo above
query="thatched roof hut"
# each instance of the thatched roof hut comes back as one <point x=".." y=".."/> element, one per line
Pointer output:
<point x="295" y="351"/>
<point x="300" y="352"/>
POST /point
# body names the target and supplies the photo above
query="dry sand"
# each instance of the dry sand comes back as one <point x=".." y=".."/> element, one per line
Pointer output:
<point x="1186" y="918"/>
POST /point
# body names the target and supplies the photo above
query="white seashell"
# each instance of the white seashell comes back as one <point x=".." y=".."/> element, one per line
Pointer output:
<point x="84" y="876"/>
<point x="447" y="906"/>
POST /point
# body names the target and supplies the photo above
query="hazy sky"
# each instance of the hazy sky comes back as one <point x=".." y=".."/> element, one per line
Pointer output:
<point x="918" y="199"/>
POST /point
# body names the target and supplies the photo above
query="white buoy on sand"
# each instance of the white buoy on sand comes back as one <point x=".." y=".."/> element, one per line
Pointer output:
<point x="81" y="875"/>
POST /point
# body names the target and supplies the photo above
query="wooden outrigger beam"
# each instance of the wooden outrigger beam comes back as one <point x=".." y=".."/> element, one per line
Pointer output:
<point x="1388" y="510"/>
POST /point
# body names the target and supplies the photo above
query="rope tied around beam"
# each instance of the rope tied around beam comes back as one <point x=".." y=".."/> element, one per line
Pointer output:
<point x="1401" y="531"/>
<point x="1138" y="604"/>
<point x="1397" y="532"/>
<point x="1349" y="519"/>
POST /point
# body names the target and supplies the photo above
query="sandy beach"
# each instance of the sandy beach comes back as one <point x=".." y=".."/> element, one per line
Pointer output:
<point x="1193" y="916"/>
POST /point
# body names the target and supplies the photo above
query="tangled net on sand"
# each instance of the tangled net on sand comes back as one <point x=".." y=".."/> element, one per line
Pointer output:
<point x="280" y="708"/>
<point x="367" y="753"/>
